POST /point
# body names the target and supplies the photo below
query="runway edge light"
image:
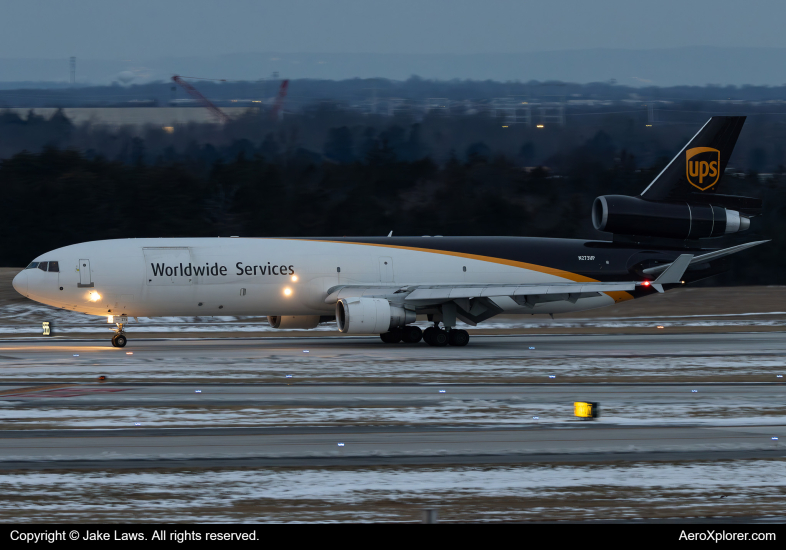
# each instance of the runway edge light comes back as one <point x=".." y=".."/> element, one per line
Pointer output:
<point x="586" y="409"/>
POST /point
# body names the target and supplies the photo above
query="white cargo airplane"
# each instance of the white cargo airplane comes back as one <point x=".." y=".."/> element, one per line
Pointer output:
<point x="379" y="285"/>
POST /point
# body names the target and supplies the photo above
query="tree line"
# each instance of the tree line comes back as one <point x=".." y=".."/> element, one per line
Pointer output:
<point x="58" y="197"/>
<point x="326" y="131"/>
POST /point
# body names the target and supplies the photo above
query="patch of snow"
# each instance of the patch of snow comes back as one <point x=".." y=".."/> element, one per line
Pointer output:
<point x="293" y="494"/>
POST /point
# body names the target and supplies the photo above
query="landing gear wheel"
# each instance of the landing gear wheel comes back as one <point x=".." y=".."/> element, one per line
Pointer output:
<point x="428" y="334"/>
<point x="119" y="341"/>
<point x="438" y="338"/>
<point x="392" y="337"/>
<point x="411" y="334"/>
<point x="458" y="337"/>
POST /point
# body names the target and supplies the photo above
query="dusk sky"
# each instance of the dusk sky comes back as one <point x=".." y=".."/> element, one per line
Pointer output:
<point x="144" y="28"/>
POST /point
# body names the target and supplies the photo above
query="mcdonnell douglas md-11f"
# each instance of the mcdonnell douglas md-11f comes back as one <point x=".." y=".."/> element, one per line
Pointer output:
<point x="379" y="285"/>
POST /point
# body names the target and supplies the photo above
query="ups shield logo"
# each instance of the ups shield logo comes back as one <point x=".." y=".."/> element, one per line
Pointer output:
<point x="702" y="166"/>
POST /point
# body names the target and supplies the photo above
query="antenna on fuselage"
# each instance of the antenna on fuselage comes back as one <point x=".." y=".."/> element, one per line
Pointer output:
<point x="390" y="234"/>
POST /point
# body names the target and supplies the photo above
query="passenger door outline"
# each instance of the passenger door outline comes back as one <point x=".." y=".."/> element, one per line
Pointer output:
<point x="386" y="274"/>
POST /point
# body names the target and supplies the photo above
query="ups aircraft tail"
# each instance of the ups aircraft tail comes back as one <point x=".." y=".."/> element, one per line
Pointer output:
<point x="682" y="201"/>
<point x="698" y="167"/>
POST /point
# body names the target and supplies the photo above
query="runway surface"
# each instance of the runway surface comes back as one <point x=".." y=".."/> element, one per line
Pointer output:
<point x="177" y="447"/>
<point x="148" y="411"/>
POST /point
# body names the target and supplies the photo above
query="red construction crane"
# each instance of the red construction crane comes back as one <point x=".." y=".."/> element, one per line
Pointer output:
<point x="206" y="103"/>
<point x="275" y="112"/>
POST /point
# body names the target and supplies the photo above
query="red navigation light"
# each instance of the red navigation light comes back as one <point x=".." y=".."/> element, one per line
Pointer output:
<point x="646" y="283"/>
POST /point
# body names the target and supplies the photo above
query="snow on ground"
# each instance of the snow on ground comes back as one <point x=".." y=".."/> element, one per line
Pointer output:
<point x="521" y="492"/>
<point x="477" y="412"/>
<point x="359" y="367"/>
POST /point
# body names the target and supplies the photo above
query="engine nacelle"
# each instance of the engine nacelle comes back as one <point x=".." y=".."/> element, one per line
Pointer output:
<point x="624" y="215"/>
<point x="370" y="316"/>
<point x="294" y="321"/>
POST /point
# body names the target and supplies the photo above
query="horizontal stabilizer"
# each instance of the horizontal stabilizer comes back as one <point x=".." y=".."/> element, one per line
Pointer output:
<point x="708" y="256"/>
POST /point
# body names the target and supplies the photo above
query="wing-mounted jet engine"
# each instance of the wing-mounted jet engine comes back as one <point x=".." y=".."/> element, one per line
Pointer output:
<point x="363" y="315"/>
<point x="682" y="201"/>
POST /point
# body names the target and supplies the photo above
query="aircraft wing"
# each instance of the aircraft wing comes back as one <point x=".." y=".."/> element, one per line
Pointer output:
<point x="481" y="306"/>
<point x="431" y="292"/>
<point x="436" y="293"/>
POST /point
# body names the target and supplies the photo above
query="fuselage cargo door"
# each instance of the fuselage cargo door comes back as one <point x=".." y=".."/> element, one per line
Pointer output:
<point x="85" y="278"/>
<point x="386" y="269"/>
<point x="168" y="266"/>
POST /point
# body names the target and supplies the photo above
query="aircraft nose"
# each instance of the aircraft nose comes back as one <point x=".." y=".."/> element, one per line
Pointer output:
<point x="20" y="283"/>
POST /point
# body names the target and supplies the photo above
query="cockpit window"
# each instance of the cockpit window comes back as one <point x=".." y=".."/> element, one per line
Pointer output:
<point x="42" y="265"/>
<point x="54" y="266"/>
<point x="32" y="265"/>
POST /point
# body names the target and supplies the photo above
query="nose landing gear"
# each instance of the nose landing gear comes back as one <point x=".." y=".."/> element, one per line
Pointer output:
<point x="119" y="340"/>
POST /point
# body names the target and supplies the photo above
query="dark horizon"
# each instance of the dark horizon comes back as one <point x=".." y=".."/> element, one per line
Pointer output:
<point x="663" y="67"/>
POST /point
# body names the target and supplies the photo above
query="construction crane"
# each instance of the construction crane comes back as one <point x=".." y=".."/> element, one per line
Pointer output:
<point x="278" y="104"/>
<point x="206" y="103"/>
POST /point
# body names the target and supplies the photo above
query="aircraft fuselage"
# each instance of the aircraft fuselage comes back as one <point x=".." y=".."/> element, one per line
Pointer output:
<point x="269" y="276"/>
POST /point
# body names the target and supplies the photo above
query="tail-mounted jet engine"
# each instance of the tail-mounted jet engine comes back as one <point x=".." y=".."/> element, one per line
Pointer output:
<point x="624" y="215"/>
<point x="370" y="316"/>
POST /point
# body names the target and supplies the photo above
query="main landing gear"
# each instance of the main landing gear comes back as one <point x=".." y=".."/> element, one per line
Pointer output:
<point x="119" y="340"/>
<point x="433" y="336"/>
<point x="409" y="334"/>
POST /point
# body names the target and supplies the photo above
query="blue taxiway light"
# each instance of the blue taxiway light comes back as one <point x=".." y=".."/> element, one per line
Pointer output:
<point x="694" y="391"/>
<point x="532" y="347"/>
<point x="340" y="444"/>
<point x="289" y="376"/>
<point x="441" y="391"/>
<point x="535" y="418"/>
<point x="774" y="439"/>
<point x="552" y="376"/>
<point x="197" y="391"/>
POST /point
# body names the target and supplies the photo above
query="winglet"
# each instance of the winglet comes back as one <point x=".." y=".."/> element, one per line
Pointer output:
<point x="673" y="273"/>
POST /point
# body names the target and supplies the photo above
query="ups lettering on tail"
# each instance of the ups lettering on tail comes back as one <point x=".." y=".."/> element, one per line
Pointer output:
<point x="702" y="167"/>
